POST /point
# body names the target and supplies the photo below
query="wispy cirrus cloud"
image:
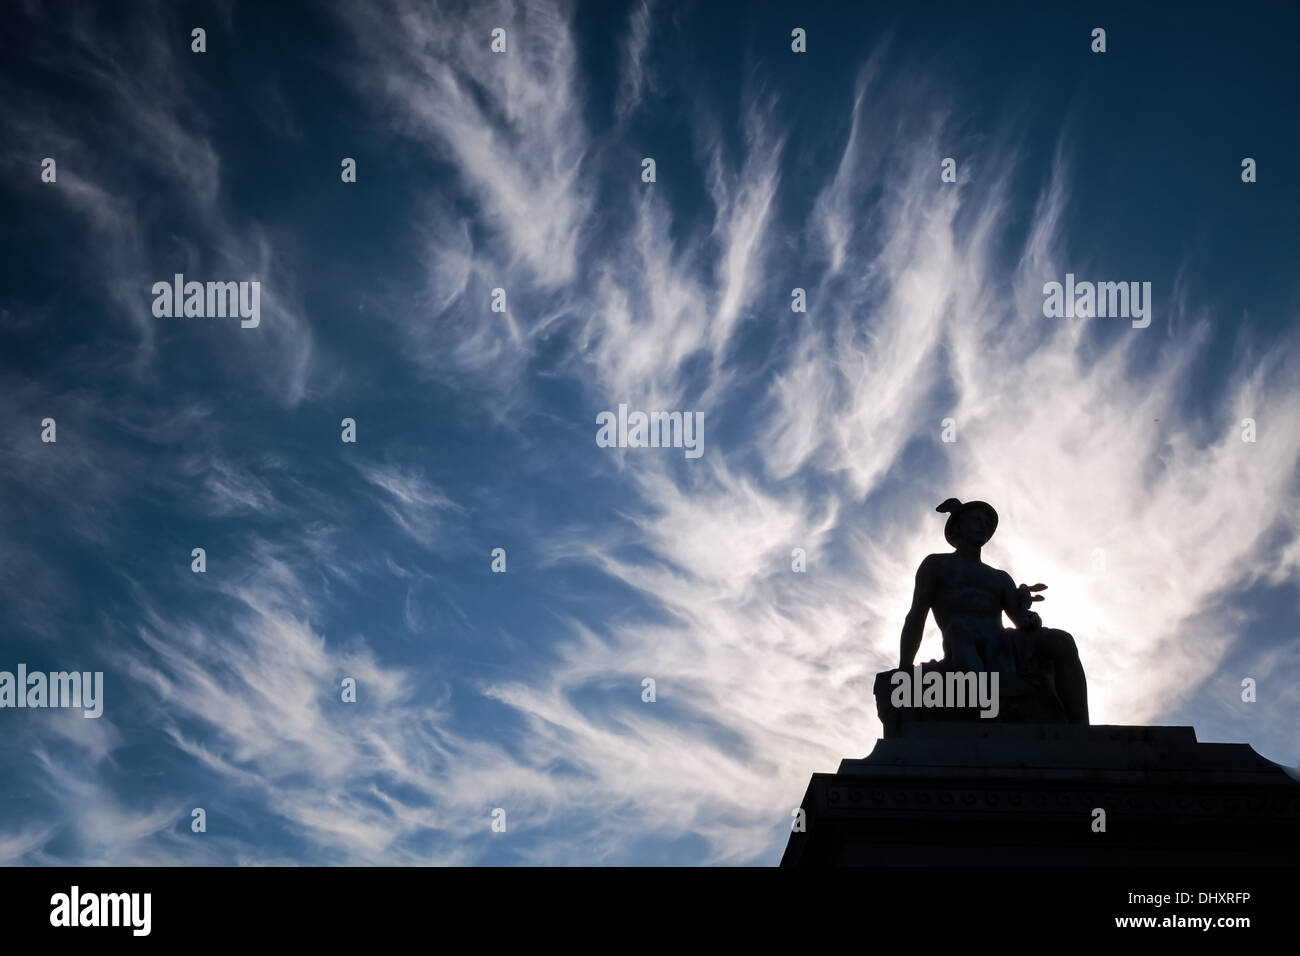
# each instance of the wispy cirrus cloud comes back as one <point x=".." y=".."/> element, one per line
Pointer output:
<point x="636" y="76"/>
<point x="413" y="503"/>
<point x="523" y="690"/>
<point x="135" y="126"/>
<point x="931" y="321"/>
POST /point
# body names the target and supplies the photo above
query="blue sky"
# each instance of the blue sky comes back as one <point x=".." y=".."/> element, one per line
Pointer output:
<point x="476" y="429"/>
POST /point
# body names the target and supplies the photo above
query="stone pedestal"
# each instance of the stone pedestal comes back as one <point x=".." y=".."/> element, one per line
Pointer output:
<point x="994" y="794"/>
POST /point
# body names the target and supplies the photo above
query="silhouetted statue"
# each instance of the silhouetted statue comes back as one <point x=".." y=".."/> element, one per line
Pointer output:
<point x="968" y="599"/>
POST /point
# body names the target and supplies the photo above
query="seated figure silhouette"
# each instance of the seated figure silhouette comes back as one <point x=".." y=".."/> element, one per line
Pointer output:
<point x="968" y="598"/>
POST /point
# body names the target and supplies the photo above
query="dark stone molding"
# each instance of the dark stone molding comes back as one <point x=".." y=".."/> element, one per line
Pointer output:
<point x="1024" y="794"/>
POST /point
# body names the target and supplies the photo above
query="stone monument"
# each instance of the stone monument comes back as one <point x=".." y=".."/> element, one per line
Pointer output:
<point x="988" y="757"/>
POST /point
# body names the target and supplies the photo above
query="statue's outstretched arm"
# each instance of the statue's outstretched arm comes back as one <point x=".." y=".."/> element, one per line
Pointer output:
<point x="914" y="624"/>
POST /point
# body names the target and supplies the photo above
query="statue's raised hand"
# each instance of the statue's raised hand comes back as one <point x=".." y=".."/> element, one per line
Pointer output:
<point x="1027" y="597"/>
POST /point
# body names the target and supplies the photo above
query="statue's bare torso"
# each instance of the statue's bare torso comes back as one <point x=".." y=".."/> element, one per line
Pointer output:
<point x="968" y="599"/>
